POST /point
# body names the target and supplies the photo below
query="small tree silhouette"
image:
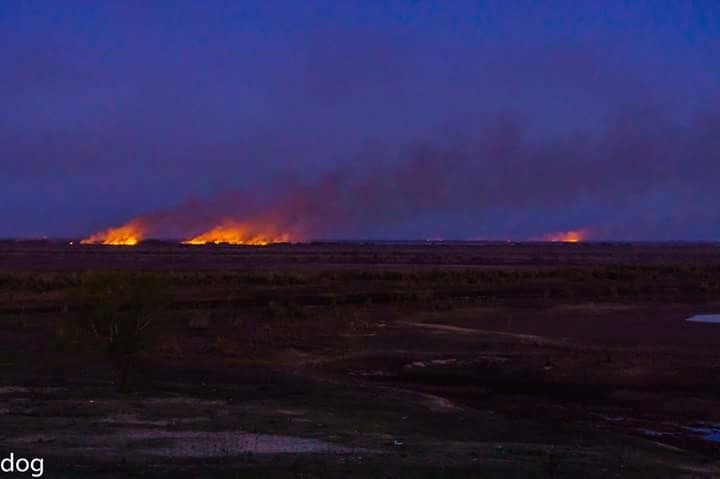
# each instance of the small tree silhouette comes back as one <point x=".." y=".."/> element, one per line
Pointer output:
<point x="118" y="310"/>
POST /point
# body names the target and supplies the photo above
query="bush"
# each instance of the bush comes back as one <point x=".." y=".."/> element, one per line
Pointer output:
<point x="116" y="312"/>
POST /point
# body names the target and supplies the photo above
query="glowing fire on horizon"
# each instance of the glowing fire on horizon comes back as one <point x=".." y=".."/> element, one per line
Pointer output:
<point x="573" y="236"/>
<point x="128" y="234"/>
<point x="231" y="232"/>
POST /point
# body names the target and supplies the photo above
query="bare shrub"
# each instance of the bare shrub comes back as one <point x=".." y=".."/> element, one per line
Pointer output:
<point x="115" y="312"/>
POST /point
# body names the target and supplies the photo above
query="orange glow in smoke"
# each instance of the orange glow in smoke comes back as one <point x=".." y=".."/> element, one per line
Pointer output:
<point x="231" y="232"/>
<point x="128" y="234"/>
<point x="573" y="236"/>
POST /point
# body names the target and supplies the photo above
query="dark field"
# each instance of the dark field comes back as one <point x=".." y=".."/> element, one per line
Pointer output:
<point x="370" y="361"/>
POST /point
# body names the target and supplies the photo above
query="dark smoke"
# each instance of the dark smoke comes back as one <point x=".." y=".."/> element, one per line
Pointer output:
<point x="498" y="165"/>
<point x="370" y="136"/>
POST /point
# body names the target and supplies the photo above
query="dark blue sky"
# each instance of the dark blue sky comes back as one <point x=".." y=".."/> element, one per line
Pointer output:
<point x="412" y="119"/>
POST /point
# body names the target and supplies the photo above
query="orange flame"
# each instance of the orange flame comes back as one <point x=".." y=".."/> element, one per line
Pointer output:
<point x="128" y="234"/>
<point x="573" y="236"/>
<point x="231" y="232"/>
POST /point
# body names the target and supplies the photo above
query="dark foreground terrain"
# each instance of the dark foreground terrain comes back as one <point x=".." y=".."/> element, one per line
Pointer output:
<point x="370" y="361"/>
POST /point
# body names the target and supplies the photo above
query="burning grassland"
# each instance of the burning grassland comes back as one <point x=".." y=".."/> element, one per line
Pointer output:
<point x="128" y="234"/>
<point x="572" y="236"/>
<point x="232" y="232"/>
<point x="339" y="204"/>
<point x="228" y="232"/>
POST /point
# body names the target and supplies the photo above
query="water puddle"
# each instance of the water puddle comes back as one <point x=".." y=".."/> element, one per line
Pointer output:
<point x="196" y="444"/>
<point x="709" y="432"/>
<point x="654" y="432"/>
<point x="705" y="318"/>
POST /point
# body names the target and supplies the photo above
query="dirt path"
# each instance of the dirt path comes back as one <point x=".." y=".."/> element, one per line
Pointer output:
<point x="447" y="328"/>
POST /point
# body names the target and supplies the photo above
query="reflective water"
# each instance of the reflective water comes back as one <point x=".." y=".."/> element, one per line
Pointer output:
<point x="705" y="318"/>
<point x="709" y="432"/>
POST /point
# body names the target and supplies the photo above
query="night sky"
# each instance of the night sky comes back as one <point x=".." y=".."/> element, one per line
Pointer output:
<point x="363" y="119"/>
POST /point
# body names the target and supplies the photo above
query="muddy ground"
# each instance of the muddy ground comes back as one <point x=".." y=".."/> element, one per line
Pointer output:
<point x="348" y="360"/>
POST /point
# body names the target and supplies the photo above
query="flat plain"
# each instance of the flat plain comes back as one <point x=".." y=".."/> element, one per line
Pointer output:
<point x="415" y="360"/>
